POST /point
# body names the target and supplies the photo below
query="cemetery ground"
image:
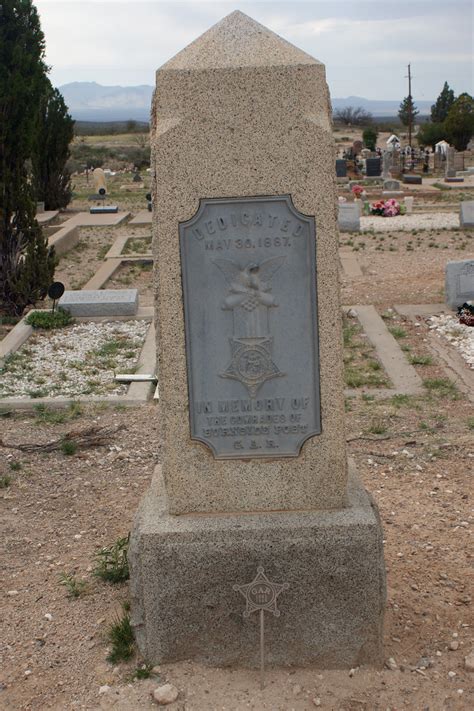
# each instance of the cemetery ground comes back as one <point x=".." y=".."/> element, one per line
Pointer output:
<point x="61" y="504"/>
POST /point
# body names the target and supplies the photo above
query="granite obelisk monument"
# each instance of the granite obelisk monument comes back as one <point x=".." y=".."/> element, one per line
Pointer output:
<point x="254" y="470"/>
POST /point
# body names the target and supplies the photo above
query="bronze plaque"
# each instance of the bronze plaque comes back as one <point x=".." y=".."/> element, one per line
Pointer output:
<point x="249" y="284"/>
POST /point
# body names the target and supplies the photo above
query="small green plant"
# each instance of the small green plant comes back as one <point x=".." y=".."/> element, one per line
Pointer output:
<point x="112" y="561"/>
<point x="68" y="447"/>
<point x="400" y="400"/>
<point x="397" y="331"/>
<point x="378" y="428"/>
<point x="145" y="671"/>
<point x="470" y="423"/>
<point x="49" y="319"/>
<point x="5" y="481"/>
<point x="421" y="360"/>
<point x="442" y="387"/>
<point x="15" y="466"/>
<point x="367" y="398"/>
<point x="120" y="636"/>
<point x="75" y="588"/>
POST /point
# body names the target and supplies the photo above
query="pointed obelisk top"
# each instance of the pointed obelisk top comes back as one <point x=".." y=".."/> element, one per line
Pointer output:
<point x="238" y="41"/>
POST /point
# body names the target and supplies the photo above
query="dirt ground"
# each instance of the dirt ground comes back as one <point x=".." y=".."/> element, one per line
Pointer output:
<point x="402" y="267"/>
<point x="414" y="454"/>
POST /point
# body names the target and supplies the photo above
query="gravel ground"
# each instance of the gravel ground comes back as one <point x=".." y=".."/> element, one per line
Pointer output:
<point x="409" y="222"/>
<point x="77" y="360"/>
<point x="459" y="335"/>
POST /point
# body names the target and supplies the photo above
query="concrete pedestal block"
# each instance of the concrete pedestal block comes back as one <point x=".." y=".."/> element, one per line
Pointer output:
<point x="183" y="569"/>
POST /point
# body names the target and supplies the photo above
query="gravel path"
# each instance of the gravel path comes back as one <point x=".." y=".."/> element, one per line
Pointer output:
<point x="406" y="223"/>
<point x="459" y="335"/>
<point x="78" y="360"/>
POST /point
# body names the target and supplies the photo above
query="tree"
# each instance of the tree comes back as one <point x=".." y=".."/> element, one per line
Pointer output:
<point x="407" y="111"/>
<point x="55" y="133"/>
<point x="459" y="122"/>
<point x="351" y="116"/>
<point x="430" y="133"/>
<point x="369" y="136"/>
<point x="26" y="263"/>
<point x="440" y="108"/>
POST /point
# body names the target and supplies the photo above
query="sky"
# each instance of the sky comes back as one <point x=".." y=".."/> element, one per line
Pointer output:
<point x="366" y="45"/>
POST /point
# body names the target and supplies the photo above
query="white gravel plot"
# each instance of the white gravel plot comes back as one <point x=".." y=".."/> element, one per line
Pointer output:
<point x="405" y="223"/>
<point x="459" y="335"/>
<point x="77" y="360"/>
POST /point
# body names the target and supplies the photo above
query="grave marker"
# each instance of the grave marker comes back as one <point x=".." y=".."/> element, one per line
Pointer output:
<point x="459" y="283"/>
<point x="100" y="302"/>
<point x="348" y="217"/>
<point x="254" y="466"/>
<point x="372" y="167"/>
<point x="341" y="168"/>
<point x="466" y="214"/>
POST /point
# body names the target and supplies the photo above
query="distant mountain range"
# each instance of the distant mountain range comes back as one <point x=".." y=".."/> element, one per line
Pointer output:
<point x="89" y="101"/>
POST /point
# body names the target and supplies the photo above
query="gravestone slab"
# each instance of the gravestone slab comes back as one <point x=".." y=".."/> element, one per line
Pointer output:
<point x="454" y="179"/>
<point x="412" y="179"/>
<point x="348" y="217"/>
<point x="341" y="168"/>
<point x="466" y="214"/>
<point x="249" y="280"/>
<point x="100" y="302"/>
<point x="373" y="167"/>
<point x="391" y="185"/>
<point x="459" y="283"/>
<point x="106" y="209"/>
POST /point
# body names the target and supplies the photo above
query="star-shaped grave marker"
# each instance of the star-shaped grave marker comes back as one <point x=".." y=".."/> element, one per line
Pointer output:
<point x="261" y="595"/>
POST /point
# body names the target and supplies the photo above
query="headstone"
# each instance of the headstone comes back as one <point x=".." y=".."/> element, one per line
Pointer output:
<point x="412" y="179"/>
<point x="254" y="466"/>
<point x="40" y="206"/>
<point x="458" y="162"/>
<point x="466" y="214"/>
<point x="408" y="202"/>
<point x="357" y="147"/>
<point x="349" y="217"/>
<point x="450" y="171"/>
<point x="99" y="181"/>
<point x="137" y="178"/>
<point x="386" y="162"/>
<point x="100" y="302"/>
<point x="391" y="185"/>
<point x="341" y="168"/>
<point x="372" y="167"/>
<point x="454" y="180"/>
<point x="459" y="283"/>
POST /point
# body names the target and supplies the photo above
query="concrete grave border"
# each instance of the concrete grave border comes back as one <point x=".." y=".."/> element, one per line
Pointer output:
<point x="112" y="262"/>
<point x="137" y="392"/>
<point x="402" y="374"/>
<point x="451" y="361"/>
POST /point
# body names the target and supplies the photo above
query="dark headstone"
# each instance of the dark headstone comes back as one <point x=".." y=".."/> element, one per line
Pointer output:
<point x="341" y="168"/>
<point x="137" y="178"/>
<point x="412" y="179"/>
<point x="373" y="167"/>
<point x="454" y="180"/>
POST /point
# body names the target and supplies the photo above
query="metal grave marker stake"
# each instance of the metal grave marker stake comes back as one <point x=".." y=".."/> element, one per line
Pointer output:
<point x="249" y="283"/>
<point x="55" y="291"/>
<point x="261" y="595"/>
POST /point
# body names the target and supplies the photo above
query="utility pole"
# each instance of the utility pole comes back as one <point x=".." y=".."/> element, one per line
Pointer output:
<point x="410" y="107"/>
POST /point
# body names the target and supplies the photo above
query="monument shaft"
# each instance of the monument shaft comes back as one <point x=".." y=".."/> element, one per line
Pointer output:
<point x="254" y="472"/>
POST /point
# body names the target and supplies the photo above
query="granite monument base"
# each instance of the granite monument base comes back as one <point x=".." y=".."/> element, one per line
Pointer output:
<point x="183" y="569"/>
